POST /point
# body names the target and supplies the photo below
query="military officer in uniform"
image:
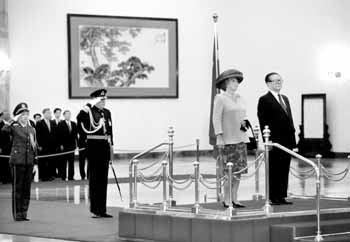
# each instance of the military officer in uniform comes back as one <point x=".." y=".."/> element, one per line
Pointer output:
<point x="96" y="123"/>
<point x="22" y="160"/>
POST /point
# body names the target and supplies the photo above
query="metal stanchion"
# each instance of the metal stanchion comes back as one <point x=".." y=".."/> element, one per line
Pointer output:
<point x="219" y="168"/>
<point x="267" y="207"/>
<point x="230" y="210"/>
<point x="165" y="178"/>
<point x="197" y="149"/>
<point x="257" y="195"/>
<point x="134" y="193"/>
<point x="318" y="237"/>
<point x="172" y="202"/>
<point x="131" y="197"/>
<point x="196" y="206"/>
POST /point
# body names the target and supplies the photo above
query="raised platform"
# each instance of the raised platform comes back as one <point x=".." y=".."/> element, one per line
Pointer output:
<point x="288" y="223"/>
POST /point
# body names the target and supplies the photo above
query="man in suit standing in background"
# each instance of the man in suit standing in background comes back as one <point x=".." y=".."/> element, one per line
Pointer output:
<point x="67" y="136"/>
<point x="58" y="159"/>
<point x="45" y="129"/>
<point x="274" y="110"/>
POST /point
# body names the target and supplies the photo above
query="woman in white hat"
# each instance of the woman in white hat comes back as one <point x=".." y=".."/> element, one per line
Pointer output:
<point x="230" y="124"/>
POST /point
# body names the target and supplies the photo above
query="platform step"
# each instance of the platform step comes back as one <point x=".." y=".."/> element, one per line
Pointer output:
<point x="287" y="232"/>
<point x="335" y="238"/>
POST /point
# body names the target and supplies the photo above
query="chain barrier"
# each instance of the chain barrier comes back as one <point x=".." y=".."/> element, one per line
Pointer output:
<point x="178" y="181"/>
<point x="245" y="177"/>
<point x="346" y="170"/>
<point x="223" y="179"/>
<point x="184" y="187"/>
<point x="292" y="172"/>
<point x="149" y="178"/>
<point x="252" y="164"/>
<point x="150" y="186"/>
<point x="334" y="179"/>
<point x="303" y="172"/>
<point x="205" y="185"/>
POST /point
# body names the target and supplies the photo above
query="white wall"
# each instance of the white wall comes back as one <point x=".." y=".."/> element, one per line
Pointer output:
<point x="255" y="36"/>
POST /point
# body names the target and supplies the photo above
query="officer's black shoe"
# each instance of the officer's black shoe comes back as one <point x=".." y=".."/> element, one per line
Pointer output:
<point x="106" y="215"/>
<point x="94" y="215"/>
<point x="21" y="219"/>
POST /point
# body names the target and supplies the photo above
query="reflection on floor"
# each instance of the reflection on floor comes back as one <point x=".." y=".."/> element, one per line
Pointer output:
<point x="20" y="238"/>
<point x="77" y="191"/>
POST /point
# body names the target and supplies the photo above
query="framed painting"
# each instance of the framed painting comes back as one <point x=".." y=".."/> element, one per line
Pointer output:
<point x="132" y="57"/>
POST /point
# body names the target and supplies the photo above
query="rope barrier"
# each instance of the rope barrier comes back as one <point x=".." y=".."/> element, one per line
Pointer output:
<point x="49" y="155"/>
<point x="116" y="150"/>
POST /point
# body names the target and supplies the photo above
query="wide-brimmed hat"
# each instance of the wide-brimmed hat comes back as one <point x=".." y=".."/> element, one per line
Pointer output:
<point x="230" y="73"/>
<point x="20" y="108"/>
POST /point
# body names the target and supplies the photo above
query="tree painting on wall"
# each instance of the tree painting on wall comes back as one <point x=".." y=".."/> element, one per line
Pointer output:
<point x="131" y="57"/>
<point x="106" y="69"/>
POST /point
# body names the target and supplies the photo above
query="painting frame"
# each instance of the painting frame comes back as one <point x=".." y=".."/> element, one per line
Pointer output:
<point x="77" y="22"/>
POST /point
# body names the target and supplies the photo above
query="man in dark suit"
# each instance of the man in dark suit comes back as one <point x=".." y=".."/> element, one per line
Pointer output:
<point x="67" y="136"/>
<point x="274" y="110"/>
<point x="97" y="124"/>
<point x="58" y="159"/>
<point x="45" y="129"/>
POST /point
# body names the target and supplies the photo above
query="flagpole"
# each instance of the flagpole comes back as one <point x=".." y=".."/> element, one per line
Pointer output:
<point x="219" y="161"/>
<point x="216" y="45"/>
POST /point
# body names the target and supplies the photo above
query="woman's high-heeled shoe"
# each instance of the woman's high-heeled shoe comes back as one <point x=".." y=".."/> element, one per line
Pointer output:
<point x="225" y="205"/>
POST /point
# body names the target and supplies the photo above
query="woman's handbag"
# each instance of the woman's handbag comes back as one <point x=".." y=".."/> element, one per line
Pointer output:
<point x="252" y="145"/>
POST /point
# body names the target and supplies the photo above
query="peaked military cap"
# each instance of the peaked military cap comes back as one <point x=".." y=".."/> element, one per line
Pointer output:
<point x="99" y="93"/>
<point x="20" y="108"/>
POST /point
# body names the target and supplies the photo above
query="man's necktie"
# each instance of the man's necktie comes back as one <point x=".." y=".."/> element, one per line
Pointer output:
<point x="69" y="127"/>
<point x="282" y="103"/>
<point x="48" y="125"/>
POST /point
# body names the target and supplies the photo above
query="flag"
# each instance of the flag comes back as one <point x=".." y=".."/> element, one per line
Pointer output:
<point x="214" y="90"/>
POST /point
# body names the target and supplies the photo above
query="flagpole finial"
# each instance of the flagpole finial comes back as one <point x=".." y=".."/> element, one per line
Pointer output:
<point x="215" y="17"/>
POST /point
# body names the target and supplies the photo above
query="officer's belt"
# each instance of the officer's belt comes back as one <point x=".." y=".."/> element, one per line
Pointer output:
<point x="100" y="137"/>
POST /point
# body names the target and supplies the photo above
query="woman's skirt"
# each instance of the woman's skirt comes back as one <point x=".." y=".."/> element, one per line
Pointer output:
<point x="237" y="154"/>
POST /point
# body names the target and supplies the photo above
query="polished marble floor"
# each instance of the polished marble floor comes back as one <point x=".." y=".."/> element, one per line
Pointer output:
<point x="21" y="238"/>
<point x="76" y="192"/>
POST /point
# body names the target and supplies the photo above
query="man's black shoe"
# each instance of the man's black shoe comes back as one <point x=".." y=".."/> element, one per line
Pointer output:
<point x="106" y="215"/>
<point x="285" y="202"/>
